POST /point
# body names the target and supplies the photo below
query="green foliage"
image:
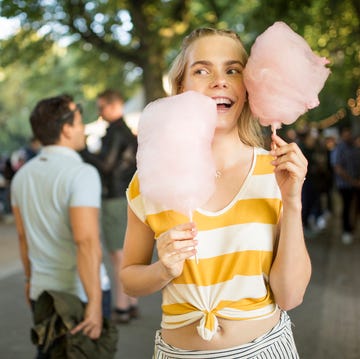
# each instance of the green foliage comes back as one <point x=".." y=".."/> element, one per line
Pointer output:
<point x="82" y="47"/>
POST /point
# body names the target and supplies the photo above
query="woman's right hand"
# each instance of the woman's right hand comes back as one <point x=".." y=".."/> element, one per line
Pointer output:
<point x="175" y="246"/>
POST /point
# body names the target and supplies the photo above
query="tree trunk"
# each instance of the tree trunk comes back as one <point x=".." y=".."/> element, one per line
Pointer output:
<point x="153" y="71"/>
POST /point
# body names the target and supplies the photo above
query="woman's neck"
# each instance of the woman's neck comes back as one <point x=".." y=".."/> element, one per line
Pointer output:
<point x="228" y="150"/>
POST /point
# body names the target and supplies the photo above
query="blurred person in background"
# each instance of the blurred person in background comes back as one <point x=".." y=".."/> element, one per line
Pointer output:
<point x="357" y="177"/>
<point x="316" y="183"/>
<point x="11" y="165"/>
<point x="32" y="148"/>
<point x="56" y="199"/>
<point x="330" y="144"/>
<point x="116" y="163"/>
<point x="345" y="180"/>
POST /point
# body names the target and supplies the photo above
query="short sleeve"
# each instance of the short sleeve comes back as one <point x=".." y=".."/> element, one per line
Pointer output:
<point x="134" y="198"/>
<point x="13" y="195"/>
<point x="86" y="188"/>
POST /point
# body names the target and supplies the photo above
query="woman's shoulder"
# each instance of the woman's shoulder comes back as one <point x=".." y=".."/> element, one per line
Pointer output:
<point x="262" y="161"/>
<point x="261" y="151"/>
<point x="133" y="189"/>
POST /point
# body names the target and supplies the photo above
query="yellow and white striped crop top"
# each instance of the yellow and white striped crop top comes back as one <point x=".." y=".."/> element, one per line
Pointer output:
<point x="235" y="253"/>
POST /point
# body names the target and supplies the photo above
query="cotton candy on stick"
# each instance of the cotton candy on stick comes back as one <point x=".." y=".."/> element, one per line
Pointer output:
<point x="283" y="76"/>
<point x="174" y="159"/>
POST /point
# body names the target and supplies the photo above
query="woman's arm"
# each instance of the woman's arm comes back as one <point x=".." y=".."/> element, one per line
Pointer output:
<point x="141" y="277"/>
<point x="291" y="269"/>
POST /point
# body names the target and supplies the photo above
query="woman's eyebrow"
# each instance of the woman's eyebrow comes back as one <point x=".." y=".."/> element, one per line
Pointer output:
<point x="234" y="62"/>
<point x="209" y="63"/>
<point x="201" y="62"/>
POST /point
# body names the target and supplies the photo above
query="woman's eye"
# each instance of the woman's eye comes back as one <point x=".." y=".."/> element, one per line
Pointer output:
<point x="233" y="71"/>
<point x="200" y="72"/>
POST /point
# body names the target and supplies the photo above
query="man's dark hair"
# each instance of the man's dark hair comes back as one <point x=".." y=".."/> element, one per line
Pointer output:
<point x="49" y="116"/>
<point x="344" y="128"/>
<point x="110" y="95"/>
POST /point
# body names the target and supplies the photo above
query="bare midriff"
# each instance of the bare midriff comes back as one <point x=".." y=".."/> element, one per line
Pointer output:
<point x="230" y="333"/>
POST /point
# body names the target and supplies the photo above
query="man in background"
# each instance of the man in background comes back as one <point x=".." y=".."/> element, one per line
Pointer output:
<point x="56" y="199"/>
<point x="116" y="163"/>
<point x="345" y="180"/>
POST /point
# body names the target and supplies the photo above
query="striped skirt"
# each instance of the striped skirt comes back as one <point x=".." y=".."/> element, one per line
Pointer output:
<point x="278" y="343"/>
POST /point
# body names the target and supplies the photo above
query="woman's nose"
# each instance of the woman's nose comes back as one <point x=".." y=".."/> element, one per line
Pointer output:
<point x="219" y="80"/>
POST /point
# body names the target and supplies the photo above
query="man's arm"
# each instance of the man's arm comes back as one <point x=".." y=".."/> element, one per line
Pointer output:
<point x="341" y="171"/>
<point x="85" y="227"/>
<point x="338" y="161"/>
<point x="105" y="162"/>
<point x="23" y="250"/>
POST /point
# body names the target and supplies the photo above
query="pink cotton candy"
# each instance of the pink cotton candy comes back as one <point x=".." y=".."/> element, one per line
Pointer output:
<point x="283" y="76"/>
<point x="174" y="159"/>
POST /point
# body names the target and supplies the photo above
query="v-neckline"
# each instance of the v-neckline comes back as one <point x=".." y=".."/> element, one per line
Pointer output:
<point x="238" y="195"/>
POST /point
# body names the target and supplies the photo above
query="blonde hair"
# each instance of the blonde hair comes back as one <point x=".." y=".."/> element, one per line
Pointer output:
<point x="248" y="126"/>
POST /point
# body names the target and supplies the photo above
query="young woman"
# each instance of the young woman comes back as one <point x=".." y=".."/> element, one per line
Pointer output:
<point x="253" y="263"/>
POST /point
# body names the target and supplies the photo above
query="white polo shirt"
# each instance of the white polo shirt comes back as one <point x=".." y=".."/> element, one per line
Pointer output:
<point x="44" y="189"/>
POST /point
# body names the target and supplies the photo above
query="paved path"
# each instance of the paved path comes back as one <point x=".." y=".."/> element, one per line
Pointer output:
<point x="326" y="325"/>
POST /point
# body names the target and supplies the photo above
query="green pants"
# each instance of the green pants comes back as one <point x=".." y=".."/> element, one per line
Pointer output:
<point x="114" y="220"/>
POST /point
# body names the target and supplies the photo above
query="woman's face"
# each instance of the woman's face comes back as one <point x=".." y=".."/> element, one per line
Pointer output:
<point x="214" y="68"/>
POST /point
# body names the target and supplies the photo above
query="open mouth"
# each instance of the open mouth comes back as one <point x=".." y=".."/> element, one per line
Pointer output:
<point x="223" y="103"/>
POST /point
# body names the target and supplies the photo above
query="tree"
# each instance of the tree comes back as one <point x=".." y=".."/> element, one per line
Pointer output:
<point x="332" y="29"/>
<point x="137" y="32"/>
<point x="132" y="42"/>
<point x="143" y="33"/>
<point x="81" y="47"/>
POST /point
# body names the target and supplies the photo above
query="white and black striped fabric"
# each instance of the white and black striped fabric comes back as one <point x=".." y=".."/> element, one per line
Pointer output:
<point x="278" y="343"/>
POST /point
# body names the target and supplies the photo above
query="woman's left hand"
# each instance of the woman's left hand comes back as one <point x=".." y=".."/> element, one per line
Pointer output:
<point x="290" y="167"/>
